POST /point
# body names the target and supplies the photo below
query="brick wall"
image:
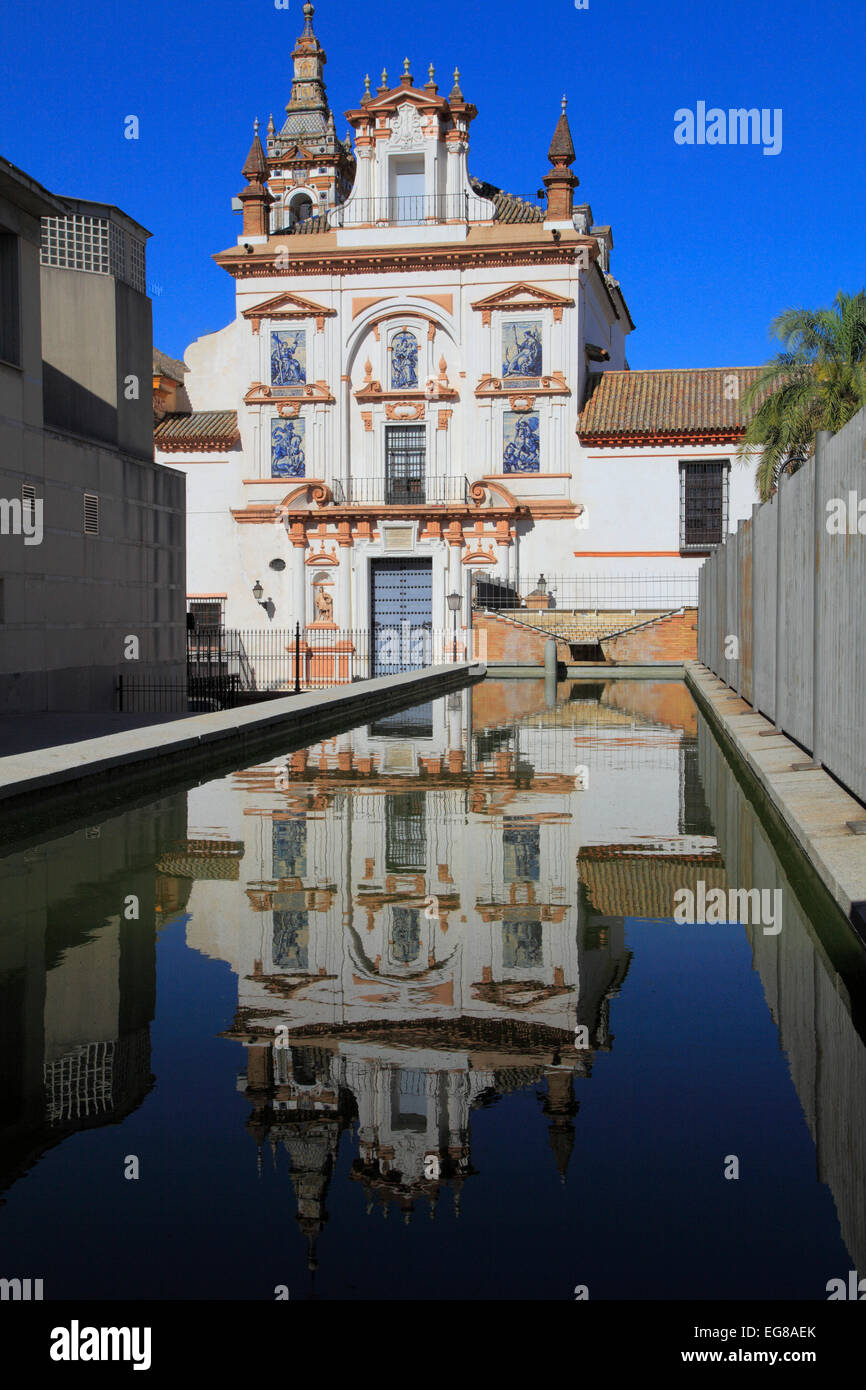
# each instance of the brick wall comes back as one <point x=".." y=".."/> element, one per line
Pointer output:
<point x="669" y="639"/>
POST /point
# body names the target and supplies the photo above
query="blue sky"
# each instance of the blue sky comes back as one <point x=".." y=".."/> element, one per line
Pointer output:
<point x="710" y="241"/>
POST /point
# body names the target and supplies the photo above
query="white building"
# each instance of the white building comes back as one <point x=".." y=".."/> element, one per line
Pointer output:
<point x="426" y="377"/>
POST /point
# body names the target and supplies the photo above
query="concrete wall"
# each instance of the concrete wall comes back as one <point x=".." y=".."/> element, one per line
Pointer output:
<point x="791" y="588"/>
<point x="69" y="601"/>
<point x="803" y="977"/>
<point x="88" y="391"/>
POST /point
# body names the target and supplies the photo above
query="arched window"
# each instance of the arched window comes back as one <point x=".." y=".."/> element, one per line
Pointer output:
<point x="300" y="208"/>
<point x="404" y="360"/>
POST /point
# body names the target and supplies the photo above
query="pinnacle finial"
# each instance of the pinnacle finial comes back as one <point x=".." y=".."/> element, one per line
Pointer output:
<point x="256" y="126"/>
<point x="271" y="126"/>
<point x="456" y="94"/>
<point x="564" y="102"/>
<point x="367" y="92"/>
<point x="456" y="76"/>
<point x="406" y="66"/>
<point x="384" y="77"/>
<point x="308" y="20"/>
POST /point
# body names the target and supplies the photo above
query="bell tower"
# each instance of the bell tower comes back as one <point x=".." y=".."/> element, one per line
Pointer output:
<point x="309" y="169"/>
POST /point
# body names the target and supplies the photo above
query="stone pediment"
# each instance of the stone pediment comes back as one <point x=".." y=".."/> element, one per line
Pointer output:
<point x="523" y="298"/>
<point x="288" y="306"/>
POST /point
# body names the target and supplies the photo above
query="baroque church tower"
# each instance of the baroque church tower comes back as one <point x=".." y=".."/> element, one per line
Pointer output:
<point x="309" y="168"/>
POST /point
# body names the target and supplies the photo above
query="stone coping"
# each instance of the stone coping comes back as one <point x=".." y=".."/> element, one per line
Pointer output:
<point x="72" y="767"/>
<point x="811" y="804"/>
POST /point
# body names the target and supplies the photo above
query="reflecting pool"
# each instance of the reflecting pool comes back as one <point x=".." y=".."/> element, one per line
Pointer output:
<point x="407" y="1014"/>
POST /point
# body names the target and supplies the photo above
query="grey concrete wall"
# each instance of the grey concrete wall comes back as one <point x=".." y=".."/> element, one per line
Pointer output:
<point x="70" y="603"/>
<point x="97" y="332"/>
<point x="793" y="592"/>
<point x="804" y="982"/>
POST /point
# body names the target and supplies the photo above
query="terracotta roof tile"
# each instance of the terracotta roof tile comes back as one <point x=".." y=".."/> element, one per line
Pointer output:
<point x="643" y="885"/>
<point x="663" y="407"/>
<point x="201" y="431"/>
<point x="508" y="207"/>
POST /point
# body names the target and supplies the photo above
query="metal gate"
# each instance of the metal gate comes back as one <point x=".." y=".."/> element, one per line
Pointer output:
<point x="402" y="617"/>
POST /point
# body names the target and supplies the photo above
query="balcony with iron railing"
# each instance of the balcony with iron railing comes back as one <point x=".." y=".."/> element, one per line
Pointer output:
<point x="415" y="210"/>
<point x="399" y="490"/>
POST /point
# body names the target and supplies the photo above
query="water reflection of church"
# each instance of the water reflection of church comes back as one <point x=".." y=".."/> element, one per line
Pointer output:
<point x="411" y="935"/>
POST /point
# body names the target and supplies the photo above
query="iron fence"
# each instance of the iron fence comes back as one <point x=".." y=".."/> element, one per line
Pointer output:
<point x="227" y="667"/>
<point x="591" y="593"/>
<point x="413" y="209"/>
<point x="402" y="489"/>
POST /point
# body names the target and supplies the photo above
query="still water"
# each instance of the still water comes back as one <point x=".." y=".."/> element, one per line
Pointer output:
<point x="406" y="1015"/>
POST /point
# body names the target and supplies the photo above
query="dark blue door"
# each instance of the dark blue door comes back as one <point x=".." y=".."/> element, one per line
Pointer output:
<point x="402" y="618"/>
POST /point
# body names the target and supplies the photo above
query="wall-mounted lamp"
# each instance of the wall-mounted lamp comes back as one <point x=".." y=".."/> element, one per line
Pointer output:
<point x="257" y="591"/>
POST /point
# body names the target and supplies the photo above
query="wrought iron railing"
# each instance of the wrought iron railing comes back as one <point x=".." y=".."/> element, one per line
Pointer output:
<point x="411" y="210"/>
<point x="230" y="667"/>
<point x="590" y="593"/>
<point x="397" y="491"/>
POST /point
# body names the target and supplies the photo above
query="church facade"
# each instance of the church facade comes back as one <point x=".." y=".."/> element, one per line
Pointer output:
<point x="425" y="380"/>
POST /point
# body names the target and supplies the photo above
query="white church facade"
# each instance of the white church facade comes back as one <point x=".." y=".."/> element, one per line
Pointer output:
<point x="425" y="379"/>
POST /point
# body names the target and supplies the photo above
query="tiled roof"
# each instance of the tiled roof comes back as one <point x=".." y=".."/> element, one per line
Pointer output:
<point x="664" y="407"/>
<point x="202" y="431"/>
<point x="628" y="884"/>
<point x="509" y="208"/>
<point x="163" y="365"/>
<point x="306" y="226"/>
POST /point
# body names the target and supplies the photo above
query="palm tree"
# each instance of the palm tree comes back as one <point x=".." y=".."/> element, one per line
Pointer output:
<point x="817" y="382"/>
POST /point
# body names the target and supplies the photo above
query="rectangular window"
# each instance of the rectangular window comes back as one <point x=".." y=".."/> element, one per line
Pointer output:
<point x="703" y="504"/>
<point x="405" y="451"/>
<point x="207" y="613"/>
<point x="10" y="303"/>
<point x="91" y="514"/>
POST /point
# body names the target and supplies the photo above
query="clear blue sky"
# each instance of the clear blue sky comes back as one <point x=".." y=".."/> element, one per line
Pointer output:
<point x="710" y="242"/>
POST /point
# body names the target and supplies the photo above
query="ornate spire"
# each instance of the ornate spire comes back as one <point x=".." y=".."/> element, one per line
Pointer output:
<point x="561" y="152"/>
<point x="308" y="21"/>
<point x="255" y="198"/>
<point x="271" y="126"/>
<point x="560" y="181"/>
<point x="255" y="168"/>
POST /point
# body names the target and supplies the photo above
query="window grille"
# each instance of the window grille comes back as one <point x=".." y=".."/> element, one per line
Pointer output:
<point x="703" y="504"/>
<point x="81" y="241"/>
<point x="405" y="449"/>
<point x="76" y="242"/>
<point x="79" y="1084"/>
<point x="207" y="612"/>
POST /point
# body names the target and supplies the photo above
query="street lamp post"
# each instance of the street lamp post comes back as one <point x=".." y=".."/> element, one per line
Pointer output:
<point x="454" y="604"/>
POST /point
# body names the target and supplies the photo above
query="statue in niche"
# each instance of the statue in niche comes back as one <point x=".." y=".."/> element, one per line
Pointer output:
<point x="324" y="605"/>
